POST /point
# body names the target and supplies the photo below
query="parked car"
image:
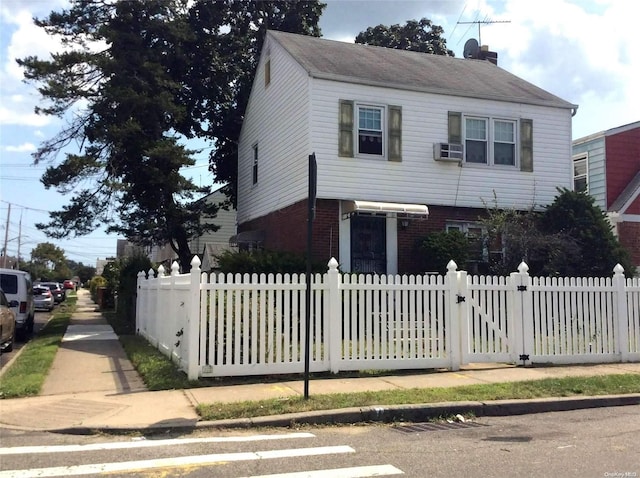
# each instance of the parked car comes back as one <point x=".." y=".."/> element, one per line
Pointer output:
<point x="17" y="286"/>
<point x="69" y="285"/>
<point x="42" y="297"/>
<point x="7" y="324"/>
<point x="56" y="289"/>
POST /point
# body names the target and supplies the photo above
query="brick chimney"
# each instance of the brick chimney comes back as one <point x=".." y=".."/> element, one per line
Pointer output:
<point x="485" y="54"/>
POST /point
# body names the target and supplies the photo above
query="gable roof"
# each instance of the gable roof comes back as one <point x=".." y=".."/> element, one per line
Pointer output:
<point x="407" y="70"/>
<point x="627" y="196"/>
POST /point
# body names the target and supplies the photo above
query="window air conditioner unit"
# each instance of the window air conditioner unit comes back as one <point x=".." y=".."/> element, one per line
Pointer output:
<point x="447" y="152"/>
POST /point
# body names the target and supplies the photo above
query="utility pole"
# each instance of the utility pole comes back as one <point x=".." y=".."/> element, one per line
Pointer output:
<point x="19" y="237"/>
<point x="6" y="237"/>
<point x="486" y="22"/>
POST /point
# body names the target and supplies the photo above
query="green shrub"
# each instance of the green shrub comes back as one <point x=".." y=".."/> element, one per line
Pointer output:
<point x="95" y="283"/>
<point x="265" y="262"/>
<point x="127" y="286"/>
<point x="438" y="248"/>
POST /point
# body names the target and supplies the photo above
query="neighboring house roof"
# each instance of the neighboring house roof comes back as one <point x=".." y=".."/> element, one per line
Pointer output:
<point x="415" y="71"/>
<point x="627" y="196"/>
<point x="608" y="132"/>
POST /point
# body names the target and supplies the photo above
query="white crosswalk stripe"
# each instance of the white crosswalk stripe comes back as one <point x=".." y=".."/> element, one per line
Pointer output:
<point x="352" y="472"/>
<point x="193" y="460"/>
<point x="78" y="470"/>
<point x="19" y="450"/>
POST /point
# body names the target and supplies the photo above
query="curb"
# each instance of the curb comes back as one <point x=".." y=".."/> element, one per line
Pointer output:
<point x="381" y="414"/>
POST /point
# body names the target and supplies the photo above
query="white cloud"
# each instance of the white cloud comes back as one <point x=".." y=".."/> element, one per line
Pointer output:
<point x="23" y="148"/>
<point x="15" y="116"/>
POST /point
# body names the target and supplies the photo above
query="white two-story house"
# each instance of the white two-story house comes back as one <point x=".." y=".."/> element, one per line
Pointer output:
<point x="406" y="143"/>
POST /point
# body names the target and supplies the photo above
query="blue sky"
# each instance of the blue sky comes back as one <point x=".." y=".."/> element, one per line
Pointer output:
<point x="583" y="51"/>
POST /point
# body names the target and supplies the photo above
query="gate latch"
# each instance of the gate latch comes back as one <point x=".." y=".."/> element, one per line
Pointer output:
<point x="524" y="357"/>
<point x="522" y="288"/>
<point x="460" y="298"/>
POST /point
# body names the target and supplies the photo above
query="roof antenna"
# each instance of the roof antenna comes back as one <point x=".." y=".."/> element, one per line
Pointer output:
<point x="480" y="22"/>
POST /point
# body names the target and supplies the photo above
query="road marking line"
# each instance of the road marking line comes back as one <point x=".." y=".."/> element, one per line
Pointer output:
<point x="77" y="470"/>
<point x="18" y="450"/>
<point x="354" y="472"/>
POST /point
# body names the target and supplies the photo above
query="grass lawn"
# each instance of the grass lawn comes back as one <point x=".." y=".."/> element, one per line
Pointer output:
<point x="160" y="374"/>
<point x="27" y="373"/>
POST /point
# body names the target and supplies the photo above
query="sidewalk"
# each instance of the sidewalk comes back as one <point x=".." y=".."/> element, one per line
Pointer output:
<point x="93" y="386"/>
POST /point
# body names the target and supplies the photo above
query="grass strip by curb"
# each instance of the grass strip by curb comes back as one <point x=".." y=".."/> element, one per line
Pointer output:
<point x="27" y="374"/>
<point x="159" y="373"/>
<point x="550" y="387"/>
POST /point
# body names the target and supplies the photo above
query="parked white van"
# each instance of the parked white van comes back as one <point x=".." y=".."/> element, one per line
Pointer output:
<point x="17" y="287"/>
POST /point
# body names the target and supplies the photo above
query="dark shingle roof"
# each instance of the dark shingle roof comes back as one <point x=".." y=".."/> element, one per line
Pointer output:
<point x="391" y="68"/>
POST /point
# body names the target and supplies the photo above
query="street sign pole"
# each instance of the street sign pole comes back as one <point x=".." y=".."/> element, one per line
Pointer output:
<point x="311" y="211"/>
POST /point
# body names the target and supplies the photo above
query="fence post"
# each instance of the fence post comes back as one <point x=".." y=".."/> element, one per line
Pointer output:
<point x="334" y="316"/>
<point x="457" y="309"/>
<point x="192" y="339"/>
<point x="622" y="314"/>
<point x="159" y="325"/>
<point x="140" y="300"/>
<point x="522" y="313"/>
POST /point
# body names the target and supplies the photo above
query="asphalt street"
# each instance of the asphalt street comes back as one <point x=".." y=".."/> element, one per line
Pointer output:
<point x="594" y="443"/>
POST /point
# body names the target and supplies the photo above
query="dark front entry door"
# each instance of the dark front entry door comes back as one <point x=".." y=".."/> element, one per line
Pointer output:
<point x="368" y="244"/>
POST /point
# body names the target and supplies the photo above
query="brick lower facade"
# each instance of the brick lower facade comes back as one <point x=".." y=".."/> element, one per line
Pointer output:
<point x="629" y="236"/>
<point x="286" y="230"/>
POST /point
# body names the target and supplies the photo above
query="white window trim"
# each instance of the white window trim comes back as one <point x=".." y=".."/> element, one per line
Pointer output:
<point x="356" y="132"/>
<point x="491" y="140"/>
<point x="580" y="157"/>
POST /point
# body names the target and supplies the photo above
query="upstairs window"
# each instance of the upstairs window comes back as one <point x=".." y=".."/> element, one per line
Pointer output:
<point x="370" y="130"/>
<point x="504" y="142"/>
<point x="255" y="163"/>
<point x="476" y="140"/>
<point x="267" y="73"/>
<point x="580" y="174"/>
<point x="492" y="141"/>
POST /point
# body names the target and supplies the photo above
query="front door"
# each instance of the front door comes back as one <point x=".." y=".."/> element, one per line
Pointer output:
<point x="368" y="244"/>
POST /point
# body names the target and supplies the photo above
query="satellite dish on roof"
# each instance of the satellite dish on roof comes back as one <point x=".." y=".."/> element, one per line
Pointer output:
<point x="471" y="48"/>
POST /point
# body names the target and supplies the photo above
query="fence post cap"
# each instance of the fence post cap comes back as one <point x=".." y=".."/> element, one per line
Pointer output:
<point x="618" y="269"/>
<point x="160" y="270"/>
<point x="175" y="268"/>
<point x="333" y="263"/>
<point x="523" y="268"/>
<point x="196" y="262"/>
<point x="452" y="266"/>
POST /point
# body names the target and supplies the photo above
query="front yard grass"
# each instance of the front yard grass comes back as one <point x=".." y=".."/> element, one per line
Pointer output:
<point x="26" y="375"/>
<point x="159" y="373"/>
<point x="560" y="387"/>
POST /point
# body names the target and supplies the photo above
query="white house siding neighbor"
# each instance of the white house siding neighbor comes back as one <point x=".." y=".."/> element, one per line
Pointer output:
<point x="420" y="179"/>
<point x="597" y="185"/>
<point x="277" y="119"/>
<point x="225" y="219"/>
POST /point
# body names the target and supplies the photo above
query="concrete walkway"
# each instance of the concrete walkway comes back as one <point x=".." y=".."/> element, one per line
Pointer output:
<point x="93" y="386"/>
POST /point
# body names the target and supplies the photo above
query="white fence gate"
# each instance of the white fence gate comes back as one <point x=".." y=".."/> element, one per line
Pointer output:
<point x="223" y="325"/>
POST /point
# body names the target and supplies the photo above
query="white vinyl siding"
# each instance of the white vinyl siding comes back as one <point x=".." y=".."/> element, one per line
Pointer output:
<point x="225" y="219"/>
<point x="276" y="118"/>
<point x="420" y="179"/>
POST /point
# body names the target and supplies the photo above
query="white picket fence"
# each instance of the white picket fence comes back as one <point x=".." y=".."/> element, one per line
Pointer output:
<point x="233" y="324"/>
